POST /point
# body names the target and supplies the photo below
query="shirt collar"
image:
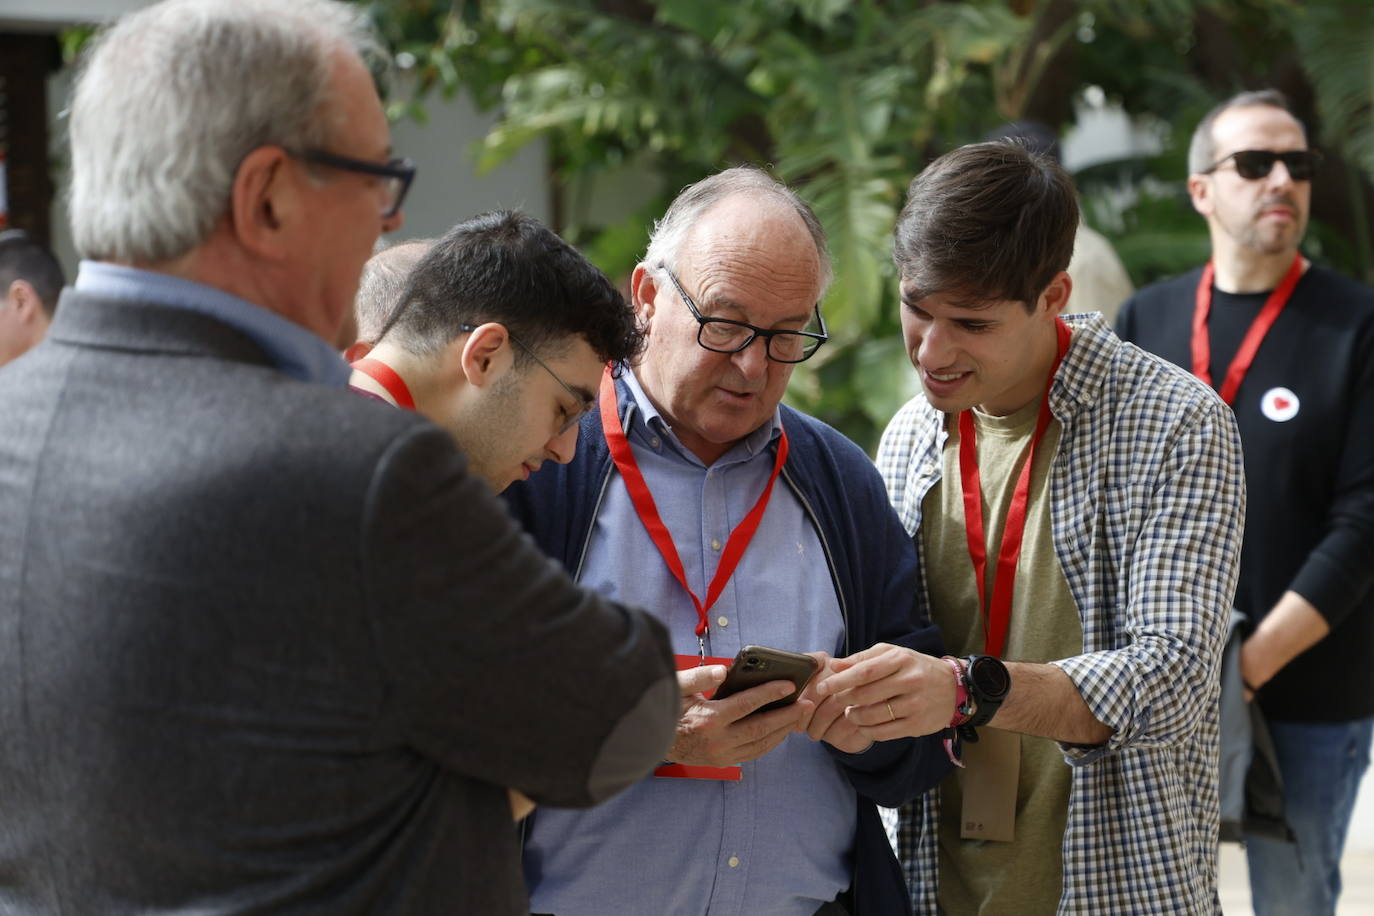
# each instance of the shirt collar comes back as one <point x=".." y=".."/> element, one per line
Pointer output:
<point x="1092" y="350"/>
<point x="297" y="352"/>
<point x="646" y="420"/>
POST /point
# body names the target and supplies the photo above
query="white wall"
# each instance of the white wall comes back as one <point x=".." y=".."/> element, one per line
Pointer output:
<point x="50" y="15"/>
<point x="447" y="188"/>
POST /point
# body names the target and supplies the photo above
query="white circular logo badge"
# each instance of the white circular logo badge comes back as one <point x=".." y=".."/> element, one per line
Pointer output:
<point x="1279" y="404"/>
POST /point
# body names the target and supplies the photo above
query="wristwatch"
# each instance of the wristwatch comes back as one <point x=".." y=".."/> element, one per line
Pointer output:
<point x="989" y="683"/>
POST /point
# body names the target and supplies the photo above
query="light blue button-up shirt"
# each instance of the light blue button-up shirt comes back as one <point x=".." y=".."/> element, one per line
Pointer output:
<point x="298" y="352"/>
<point x="776" y="843"/>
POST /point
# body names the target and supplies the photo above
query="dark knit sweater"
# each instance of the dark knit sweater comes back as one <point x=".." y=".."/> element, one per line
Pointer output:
<point x="1309" y="524"/>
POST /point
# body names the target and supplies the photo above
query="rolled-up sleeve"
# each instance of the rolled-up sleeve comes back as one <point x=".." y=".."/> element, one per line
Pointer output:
<point x="1180" y="531"/>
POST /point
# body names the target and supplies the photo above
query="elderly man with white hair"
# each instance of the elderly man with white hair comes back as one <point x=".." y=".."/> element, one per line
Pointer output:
<point x="266" y="645"/>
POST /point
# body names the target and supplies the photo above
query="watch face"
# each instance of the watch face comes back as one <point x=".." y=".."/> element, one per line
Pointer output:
<point x="990" y="676"/>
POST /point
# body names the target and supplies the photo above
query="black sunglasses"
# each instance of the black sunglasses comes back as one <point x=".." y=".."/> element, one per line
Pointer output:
<point x="1253" y="164"/>
<point x="398" y="174"/>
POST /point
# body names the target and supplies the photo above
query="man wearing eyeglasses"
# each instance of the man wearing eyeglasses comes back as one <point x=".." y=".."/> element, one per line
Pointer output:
<point x="500" y="337"/>
<point x="738" y="521"/>
<point x="1290" y="346"/>
<point x="266" y="645"/>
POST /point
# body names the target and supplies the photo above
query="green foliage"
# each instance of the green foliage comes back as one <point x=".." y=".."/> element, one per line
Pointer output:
<point x="848" y="99"/>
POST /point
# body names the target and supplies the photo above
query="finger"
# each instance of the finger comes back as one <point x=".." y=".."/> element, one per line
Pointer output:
<point x="873" y="716"/>
<point x="824" y="718"/>
<point x="844" y="735"/>
<point x="864" y="671"/>
<point x="805" y="709"/>
<point x="754" y="750"/>
<point x="700" y="679"/>
<point x="736" y="707"/>
<point x="877" y="692"/>
<point x="849" y="661"/>
<point x="762" y="743"/>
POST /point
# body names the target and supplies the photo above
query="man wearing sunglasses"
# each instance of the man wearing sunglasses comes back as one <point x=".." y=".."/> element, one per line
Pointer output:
<point x="266" y="645"/>
<point x="738" y="521"/>
<point x="1290" y="346"/>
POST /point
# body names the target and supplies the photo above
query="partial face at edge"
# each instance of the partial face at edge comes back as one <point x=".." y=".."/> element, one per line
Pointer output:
<point x="511" y="426"/>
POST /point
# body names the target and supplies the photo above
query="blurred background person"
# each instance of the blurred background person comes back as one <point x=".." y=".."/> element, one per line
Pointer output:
<point x="30" y="280"/>
<point x="1290" y="346"/>
<point x="379" y="292"/>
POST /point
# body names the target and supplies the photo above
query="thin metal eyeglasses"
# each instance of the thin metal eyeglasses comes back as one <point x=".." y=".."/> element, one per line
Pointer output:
<point x="722" y="335"/>
<point x="396" y="174"/>
<point x="1253" y="164"/>
<point x="572" y="417"/>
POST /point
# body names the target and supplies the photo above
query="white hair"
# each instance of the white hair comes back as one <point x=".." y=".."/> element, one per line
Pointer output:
<point x="174" y="96"/>
<point x="671" y="232"/>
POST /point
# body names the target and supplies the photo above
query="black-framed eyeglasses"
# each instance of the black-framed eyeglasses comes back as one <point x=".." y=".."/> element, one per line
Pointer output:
<point x="723" y="335"/>
<point x="571" y="417"/>
<point x="396" y="174"/>
<point x="1253" y="164"/>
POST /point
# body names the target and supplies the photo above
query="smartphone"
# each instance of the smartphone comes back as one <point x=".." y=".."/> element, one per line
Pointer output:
<point x="756" y="665"/>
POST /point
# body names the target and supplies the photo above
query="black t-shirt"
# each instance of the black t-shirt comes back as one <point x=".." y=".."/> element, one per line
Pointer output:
<point x="1306" y="416"/>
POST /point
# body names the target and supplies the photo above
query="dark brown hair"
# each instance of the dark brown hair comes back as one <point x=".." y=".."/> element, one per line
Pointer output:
<point x="986" y="222"/>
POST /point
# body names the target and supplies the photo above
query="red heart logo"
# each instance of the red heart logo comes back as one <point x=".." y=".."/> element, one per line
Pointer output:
<point x="1282" y="403"/>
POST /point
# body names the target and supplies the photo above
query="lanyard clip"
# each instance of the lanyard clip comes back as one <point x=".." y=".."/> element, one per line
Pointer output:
<point x="701" y="647"/>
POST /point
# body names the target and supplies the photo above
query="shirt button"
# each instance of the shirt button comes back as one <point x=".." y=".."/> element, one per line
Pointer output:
<point x="734" y="861"/>
<point x="723" y="621"/>
<point x="715" y="544"/>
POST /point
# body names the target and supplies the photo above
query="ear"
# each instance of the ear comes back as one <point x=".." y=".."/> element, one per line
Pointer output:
<point x="356" y="351"/>
<point x="1055" y="297"/>
<point x="27" y="306"/>
<point x="265" y="199"/>
<point x="486" y="355"/>
<point x="643" y="293"/>
<point x="1200" y="190"/>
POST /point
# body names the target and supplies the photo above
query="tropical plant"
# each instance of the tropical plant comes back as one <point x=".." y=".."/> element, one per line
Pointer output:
<point x="848" y="99"/>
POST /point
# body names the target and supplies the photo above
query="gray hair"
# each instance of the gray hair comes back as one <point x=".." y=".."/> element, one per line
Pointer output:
<point x="383" y="285"/>
<point x="174" y="96"/>
<point x="691" y="205"/>
<point x="1202" y="150"/>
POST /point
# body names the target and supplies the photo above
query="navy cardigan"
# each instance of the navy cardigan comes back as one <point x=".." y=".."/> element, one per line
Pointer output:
<point x="872" y="563"/>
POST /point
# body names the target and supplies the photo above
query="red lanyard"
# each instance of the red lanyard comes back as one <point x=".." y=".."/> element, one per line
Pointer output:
<point x="1250" y="344"/>
<point x="997" y="609"/>
<point x="386" y="376"/>
<point x="644" y="505"/>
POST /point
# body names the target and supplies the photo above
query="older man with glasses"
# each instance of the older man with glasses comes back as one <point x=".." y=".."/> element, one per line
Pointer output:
<point x="739" y="522"/>
<point x="1290" y="346"/>
<point x="265" y="645"/>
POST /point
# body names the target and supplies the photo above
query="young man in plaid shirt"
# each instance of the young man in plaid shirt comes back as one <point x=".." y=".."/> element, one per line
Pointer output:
<point x="1077" y="507"/>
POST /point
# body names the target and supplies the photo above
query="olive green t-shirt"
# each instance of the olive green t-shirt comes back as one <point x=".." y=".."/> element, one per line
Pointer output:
<point x="1024" y="876"/>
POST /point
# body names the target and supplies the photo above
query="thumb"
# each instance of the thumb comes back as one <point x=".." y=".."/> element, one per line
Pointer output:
<point x="691" y="681"/>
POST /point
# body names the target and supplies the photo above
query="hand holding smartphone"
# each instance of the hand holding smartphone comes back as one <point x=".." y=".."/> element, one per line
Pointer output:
<point x="755" y="665"/>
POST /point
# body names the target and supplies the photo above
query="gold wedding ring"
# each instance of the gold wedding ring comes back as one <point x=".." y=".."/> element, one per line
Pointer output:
<point x="891" y="713"/>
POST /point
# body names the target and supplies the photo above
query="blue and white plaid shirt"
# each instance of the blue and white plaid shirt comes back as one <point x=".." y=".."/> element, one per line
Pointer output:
<point x="1148" y="496"/>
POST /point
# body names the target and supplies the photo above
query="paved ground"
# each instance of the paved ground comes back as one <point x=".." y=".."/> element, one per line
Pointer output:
<point x="1357" y="870"/>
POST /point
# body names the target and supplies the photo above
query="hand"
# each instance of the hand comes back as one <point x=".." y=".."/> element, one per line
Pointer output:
<point x="722" y="732"/>
<point x="887" y="692"/>
<point x="828" y="722"/>
<point x="520" y="806"/>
